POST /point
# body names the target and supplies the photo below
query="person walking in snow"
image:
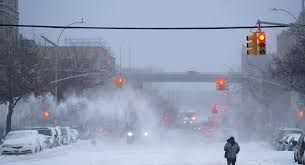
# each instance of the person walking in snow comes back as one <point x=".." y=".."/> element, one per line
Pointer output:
<point x="231" y="149"/>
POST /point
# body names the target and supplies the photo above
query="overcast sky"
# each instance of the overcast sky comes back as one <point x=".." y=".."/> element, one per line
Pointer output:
<point x="211" y="50"/>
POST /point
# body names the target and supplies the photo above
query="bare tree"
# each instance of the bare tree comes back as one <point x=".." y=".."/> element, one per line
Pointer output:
<point x="21" y="75"/>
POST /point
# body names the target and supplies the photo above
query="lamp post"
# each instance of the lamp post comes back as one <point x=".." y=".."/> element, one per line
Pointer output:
<point x="285" y="11"/>
<point x="56" y="56"/>
<point x="129" y="56"/>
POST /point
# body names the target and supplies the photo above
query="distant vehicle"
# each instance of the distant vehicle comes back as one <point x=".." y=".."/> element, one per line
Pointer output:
<point x="299" y="149"/>
<point x="21" y="142"/>
<point x="186" y="119"/>
<point x="130" y="137"/>
<point x="66" y="135"/>
<point x="51" y="135"/>
<point x="290" y="143"/>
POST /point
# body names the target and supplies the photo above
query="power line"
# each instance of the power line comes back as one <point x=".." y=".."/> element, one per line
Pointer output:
<point x="142" y="28"/>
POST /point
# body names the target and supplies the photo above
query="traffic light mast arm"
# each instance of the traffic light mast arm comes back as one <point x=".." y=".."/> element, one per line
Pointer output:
<point x="259" y="22"/>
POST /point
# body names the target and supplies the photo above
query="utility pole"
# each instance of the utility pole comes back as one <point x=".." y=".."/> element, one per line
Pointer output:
<point x="129" y="59"/>
<point x="121" y="58"/>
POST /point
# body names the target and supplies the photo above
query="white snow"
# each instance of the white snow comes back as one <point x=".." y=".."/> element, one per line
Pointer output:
<point x="176" y="151"/>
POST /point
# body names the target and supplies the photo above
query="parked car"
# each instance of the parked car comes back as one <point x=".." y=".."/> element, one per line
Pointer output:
<point x="1" y="135"/>
<point x="49" y="133"/>
<point x="59" y="136"/>
<point x="21" y="142"/>
<point x="290" y="143"/>
<point x="66" y="135"/>
<point x="279" y="133"/>
<point x="299" y="149"/>
<point x="280" y="145"/>
<point x="75" y="135"/>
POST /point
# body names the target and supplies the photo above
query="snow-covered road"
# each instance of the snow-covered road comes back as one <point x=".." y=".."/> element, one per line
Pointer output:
<point x="112" y="152"/>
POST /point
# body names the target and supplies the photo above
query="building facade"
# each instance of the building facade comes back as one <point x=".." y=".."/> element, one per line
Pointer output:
<point x="9" y="15"/>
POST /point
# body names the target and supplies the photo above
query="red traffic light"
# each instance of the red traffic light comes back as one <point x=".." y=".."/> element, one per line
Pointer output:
<point x="221" y="84"/>
<point x="261" y="38"/>
<point x="119" y="81"/>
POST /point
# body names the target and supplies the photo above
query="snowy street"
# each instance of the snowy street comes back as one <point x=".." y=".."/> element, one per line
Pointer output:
<point x="154" y="82"/>
<point x="165" y="153"/>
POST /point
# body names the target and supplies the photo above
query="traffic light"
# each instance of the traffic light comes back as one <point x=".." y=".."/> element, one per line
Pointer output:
<point x="119" y="81"/>
<point x="252" y="44"/>
<point x="261" y="39"/>
<point x="221" y="85"/>
<point x="46" y="114"/>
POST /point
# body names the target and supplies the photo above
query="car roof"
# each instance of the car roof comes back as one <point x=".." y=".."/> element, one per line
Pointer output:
<point x="36" y="128"/>
<point x="25" y="131"/>
<point x="294" y="135"/>
<point x="290" y="129"/>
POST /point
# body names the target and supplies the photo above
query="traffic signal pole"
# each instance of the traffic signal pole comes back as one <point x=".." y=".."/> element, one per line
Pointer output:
<point x="259" y="22"/>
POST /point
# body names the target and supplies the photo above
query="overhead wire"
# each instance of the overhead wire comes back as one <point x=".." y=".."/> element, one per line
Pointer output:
<point x="143" y="28"/>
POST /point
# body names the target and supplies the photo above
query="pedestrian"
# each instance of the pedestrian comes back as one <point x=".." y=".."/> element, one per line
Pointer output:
<point x="231" y="149"/>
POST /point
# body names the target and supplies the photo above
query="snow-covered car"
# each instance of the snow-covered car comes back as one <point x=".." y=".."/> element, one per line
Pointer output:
<point x="59" y="136"/>
<point x="21" y="142"/>
<point x="290" y="143"/>
<point x="75" y="135"/>
<point x="50" y="134"/>
<point x="1" y="135"/>
<point x="280" y="145"/>
<point x="299" y="149"/>
<point x="66" y="135"/>
<point x="279" y="133"/>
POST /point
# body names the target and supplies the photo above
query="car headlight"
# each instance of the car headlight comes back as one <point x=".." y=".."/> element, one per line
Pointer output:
<point x="145" y="133"/>
<point x="191" y="122"/>
<point x="129" y="134"/>
<point x="184" y="122"/>
<point x="193" y="118"/>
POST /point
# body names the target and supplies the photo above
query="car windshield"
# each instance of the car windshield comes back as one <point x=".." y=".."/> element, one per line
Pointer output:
<point x="18" y="135"/>
<point x="46" y="132"/>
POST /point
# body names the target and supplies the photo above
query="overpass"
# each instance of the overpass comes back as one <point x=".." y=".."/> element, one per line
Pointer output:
<point x="182" y="77"/>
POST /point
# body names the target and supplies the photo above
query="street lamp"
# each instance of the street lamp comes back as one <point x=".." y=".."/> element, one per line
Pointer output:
<point x="56" y="56"/>
<point x="285" y="11"/>
<point x="129" y="56"/>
